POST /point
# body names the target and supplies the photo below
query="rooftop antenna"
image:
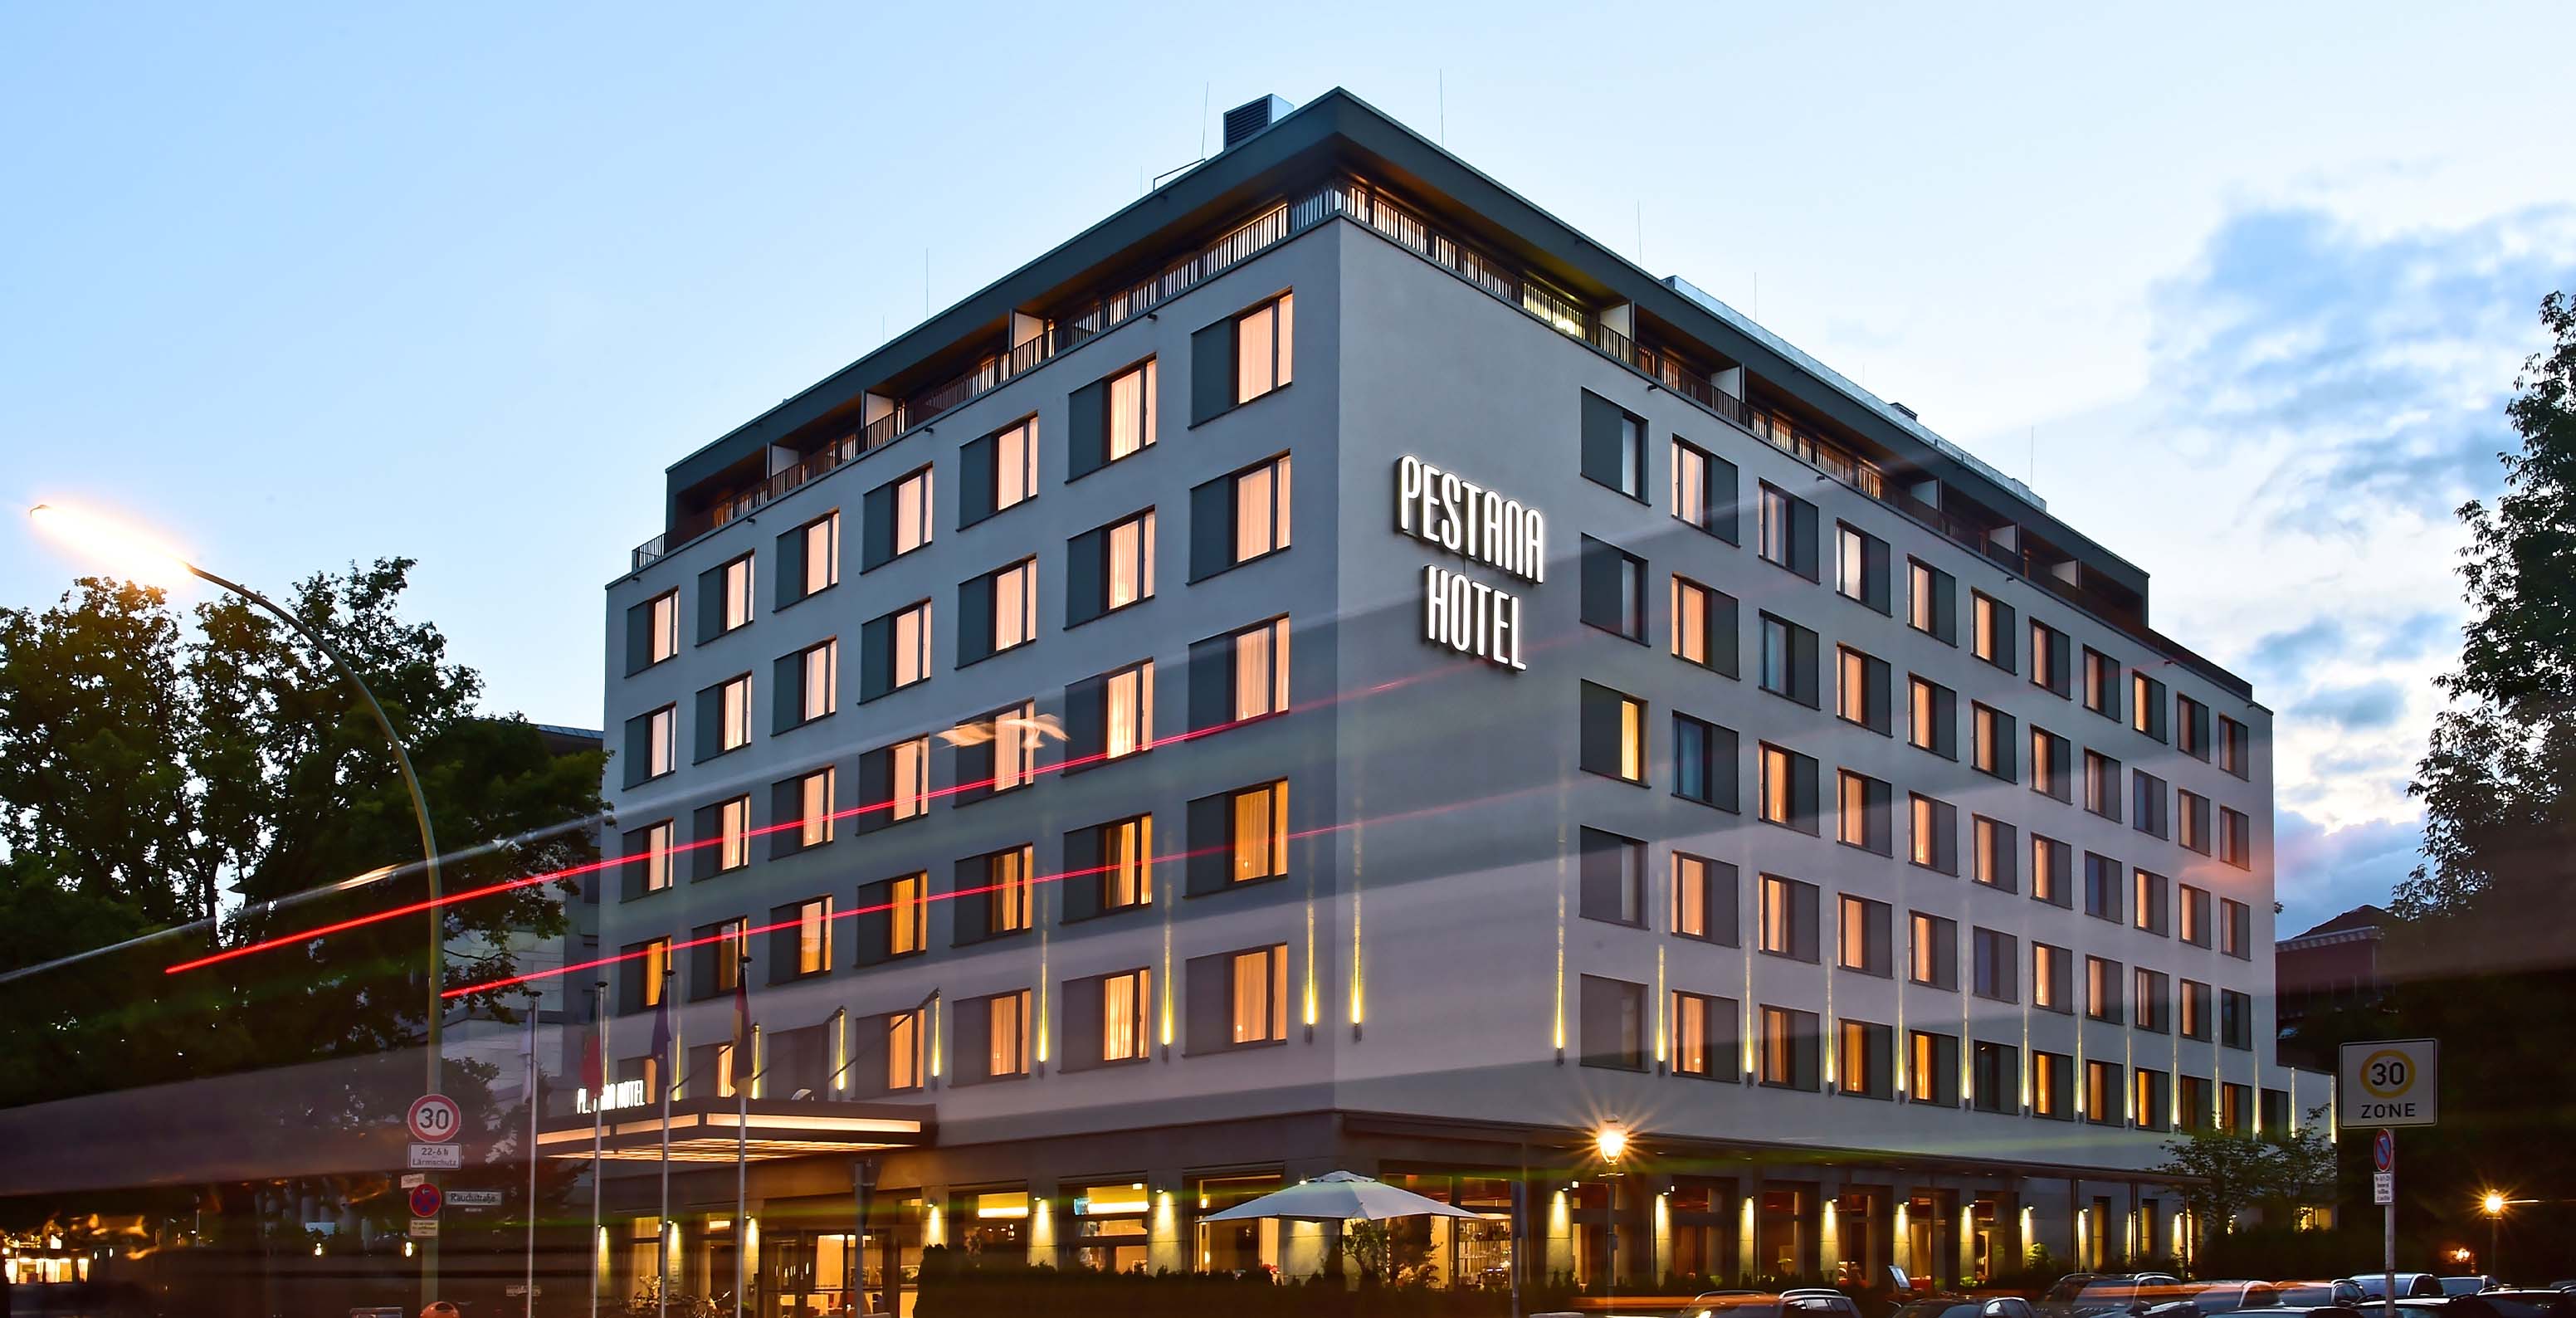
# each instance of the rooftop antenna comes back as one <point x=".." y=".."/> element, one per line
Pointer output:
<point x="1204" y="89"/>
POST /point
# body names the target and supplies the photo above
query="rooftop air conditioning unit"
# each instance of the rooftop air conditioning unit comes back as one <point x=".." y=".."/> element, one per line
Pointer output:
<point x="1245" y="120"/>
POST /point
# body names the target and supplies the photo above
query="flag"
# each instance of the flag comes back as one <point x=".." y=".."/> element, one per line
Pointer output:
<point x="591" y="1075"/>
<point x="662" y="1036"/>
<point x="742" y="1063"/>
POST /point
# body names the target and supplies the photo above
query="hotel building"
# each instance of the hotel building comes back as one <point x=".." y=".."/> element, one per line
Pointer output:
<point x="1331" y="668"/>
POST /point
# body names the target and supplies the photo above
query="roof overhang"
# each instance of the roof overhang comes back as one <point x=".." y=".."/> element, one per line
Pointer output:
<point x="713" y="1129"/>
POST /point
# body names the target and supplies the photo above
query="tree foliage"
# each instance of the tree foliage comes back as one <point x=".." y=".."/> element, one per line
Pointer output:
<point x="154" y="774"/>
<point x="2222" y="1173"/>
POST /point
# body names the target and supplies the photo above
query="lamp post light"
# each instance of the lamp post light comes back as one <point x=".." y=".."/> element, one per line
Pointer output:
<point x="141" y="558"/>
<point x="1610" y="1142"/>
<point x="2493" y="1205"/>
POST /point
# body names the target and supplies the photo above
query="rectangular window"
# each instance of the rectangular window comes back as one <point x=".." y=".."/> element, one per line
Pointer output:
<point x="2051" y="765"/>
<point x="724" y="717"/>
<point x="2052" y="1080"/>
<point x="1131" y="411"/>
<point x="1787" y="918"/>
<point x="1261" y="509"/>
<point x="908" y="915"/>
<point x="720" y="954"/>
<point x="1992" y="853"/>
<point x="1861" y="1059"/>
<point x="2102" y="989"/>
<point x="1703" y="1036"/>
<point x="1126" y="1015"/>
<point x="2102" y="785"/>
<point x="1264" y="339"/>
<point x="726" y="598"/>
<point x="1860" y="567"/>
<point x="2147" y="901"/>
<point x="2195" y="916"/>
<point x="1785" y="531"/>
<point x="1127" y="699"/>
<point x="1613" y="878"/>
<point x="2148" y="1001"/>
<point x="813" y="931"/>
<point x="1614" y="446"/>
<point x="1613" y="734"/>
<point x="1993" y="631"/>
<point x="1931" y="601"/>
<point x="2194" y="1010"/>
<point x="2235" y="929"/>
<point x="652" y="631"/>
<point x="652" y="744"/>
<point x="2192" y="820"/>
<point x="1861" y="690"/>
<point x="1257" y="1000"/>
<point x="1998" y="966"/>
<point x="1613" y="590"/>
<point x="894" y="784"/>
<point x="2052" y="871"/>
<point x="811" y="797"/>
<point x="2052" y="978"/>
<point x="732" y="831"/>
<point x="2233" y="753"/>
<point x="1860" y="812"/>
<point x="997" y="752"/>
<point x="1126" y="860"/>
<point x="1932" y="1068"/>
<point x="1789" y="661"/>
<point x="1933" y="717"/>
<point x="1703" y="623"/>
<point x="1012" y="595"/>
<point x="896" y="519"/>
<point x="1993" y="739"/>
<point x="1015" y="465"/>
<point x="1862" y="933"/>
<point x="1130" y="569"/>
<point x="1934" y="839"/>
<point x="2147" y="812"/>
<point x="2051" y="666"/>
<point x="648" y="859"/>
<point x="903" y="1050"/>
<point x="2101" y="887"/>
<point x="1261" y="670"/>
<point x="1704" y="899"/>
<point x="1704" y="490"/>
<point x="1786" y="1050"/>
<point x="1995" y="1079"/>
<point x="1258" y="842"/>
<point x="2148" y="1098"/>
<point x="1614" y="1023"/>
<point x="2192" y="1107"/>
<point x="2147" y="705"/>
<point x="1006" y="1034"/>
<point x="1788" y="789"/>
<point x="2235" y="1019"/>
<point x="652" y="971"/>
<point x="1704" y="762"/>
<point x="894" y="651"/>
<point x="2191" y="727"/>
<point x="2101" y="683"/>
<point x="2235" y="843"/>
<point x="1010" y="897"/>
<point x="809" y="559"/>
<point x="2103" y="1098"/>
<point x="1934" y="957"/>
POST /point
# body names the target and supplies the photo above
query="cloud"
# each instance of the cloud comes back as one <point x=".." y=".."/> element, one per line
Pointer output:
<point x="2323" y="872"/>
<point x="2357" y="707"/>
<point x="2417" y="636"/>
<point x="2371" y="371"/>
<point x="2283" y="654"/>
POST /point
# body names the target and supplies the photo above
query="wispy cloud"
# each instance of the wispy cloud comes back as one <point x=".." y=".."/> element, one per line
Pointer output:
<point x="2323" y="872"/>
<point x="2359" y="707"/>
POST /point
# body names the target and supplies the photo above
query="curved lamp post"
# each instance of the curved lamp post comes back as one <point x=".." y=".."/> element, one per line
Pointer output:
<point x="144" y="559"/>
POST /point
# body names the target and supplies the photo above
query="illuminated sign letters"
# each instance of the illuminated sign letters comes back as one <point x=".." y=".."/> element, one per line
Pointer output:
<point x="1461" y="517"/>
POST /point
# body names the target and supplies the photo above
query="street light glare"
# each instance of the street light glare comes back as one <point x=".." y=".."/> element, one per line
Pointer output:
<point x="128" y="552"/>
<point x="1611" y="1142"/>
<point x="2494" y="1203"/>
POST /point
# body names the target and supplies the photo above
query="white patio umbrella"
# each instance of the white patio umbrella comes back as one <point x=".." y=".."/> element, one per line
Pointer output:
<point x="1338" y="1197"/>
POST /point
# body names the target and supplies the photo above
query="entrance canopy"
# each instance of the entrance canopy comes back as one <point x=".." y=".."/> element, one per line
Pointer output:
<point x="1339" y="1197"/>
<point x="708" y="1129"/>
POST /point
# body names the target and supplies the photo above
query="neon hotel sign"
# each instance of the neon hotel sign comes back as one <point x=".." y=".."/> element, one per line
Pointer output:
<point x="1468" y="616"/>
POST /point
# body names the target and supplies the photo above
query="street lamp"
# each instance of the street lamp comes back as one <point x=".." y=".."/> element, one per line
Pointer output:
<point x="142" y="558"/>
<point x="1610" y="1142"/>
<point x="2493" y="1204"/>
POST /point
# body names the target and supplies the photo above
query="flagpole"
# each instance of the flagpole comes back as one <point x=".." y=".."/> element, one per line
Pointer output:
<point x="662" y="1236"/>
<point x="529" y="1305"/>
<point x="597" y="1077"/>
<point x="746" y="1068"/>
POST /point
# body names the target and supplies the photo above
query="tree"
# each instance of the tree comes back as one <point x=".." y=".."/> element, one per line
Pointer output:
<point x="2221" y="1173"/>
<point x="143" y="774"/>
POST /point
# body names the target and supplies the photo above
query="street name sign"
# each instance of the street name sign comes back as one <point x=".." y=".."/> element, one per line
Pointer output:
<point x="474" y="1198"/>
<point x="2389" y="1083"/>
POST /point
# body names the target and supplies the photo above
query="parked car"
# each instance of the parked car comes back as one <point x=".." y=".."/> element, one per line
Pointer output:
<point x="2298" y="1311"/>
<point x="1966" y="1306"/>
<point x="2512" y="1304"/>
<point x="2081" y="1294"/>
<point x="2316" y="1294"/>
<point x="2410" y="1285"/>
<point x="1763" y="1304"/>
<point x="2200" y="1299"/>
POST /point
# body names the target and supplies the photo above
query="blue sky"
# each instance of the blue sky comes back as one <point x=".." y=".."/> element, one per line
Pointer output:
<point x="2240" y="290"/>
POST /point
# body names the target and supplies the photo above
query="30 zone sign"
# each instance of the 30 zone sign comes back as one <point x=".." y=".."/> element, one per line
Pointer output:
<point x="433" y="1119"/>
<point x="2393" y="1082"/>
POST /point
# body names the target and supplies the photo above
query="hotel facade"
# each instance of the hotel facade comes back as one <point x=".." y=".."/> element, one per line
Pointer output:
<point x="1331" y="668"/>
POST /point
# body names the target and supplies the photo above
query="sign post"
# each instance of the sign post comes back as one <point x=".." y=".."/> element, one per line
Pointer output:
<point x="2387" y="1084"/>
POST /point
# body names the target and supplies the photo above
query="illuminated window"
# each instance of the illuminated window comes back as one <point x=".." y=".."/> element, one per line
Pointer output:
<point x="1128" y="697"/>
<point x="2050" y="863"/>
<point x="2102" y="785"/>
<point x="814" y="936"/>
<point x="1935" y="834"/>
<point x="2149" y="1003"/>
<point x="819" y="681"/>
<point x="661" y="628"/>
<point x="912" y="512"/>
<point x="2102" y="1093"/>
<point x="734" y="704"/>
<point x="2102" y="989"/>
<point x="2049" y="1080"/>
<point x="908" y="915"/>
<point x="2049" y="766"/>
<point x="1990" y="741"/>
<point x="1932" y="1060"/>
<point x="1850" y="563"/>
<point x="1695" y="620"/>
<point x="2048" y="660"/>
<point x="1852" y="687"/>
<point x="1858" y="1067"/>
<point x="1006" y="1039"/>
<point x="1690" y="484"/>
<point x="1786" y="788"/>
<point x="1774" y="525"/>
<point x="737" y="593"/>
<point x="2235" y="928"/>
<point x="1258" y="1001"/>
<point x="2101" y="683"/>
<point x="903" y="1050"/>
<point x="2232" y="743"/>
<point x="2192" y="820"/>
<point x="1990" y="852"/>
<point x="1862" y="929"/>
<point x="2051" y="976"/>
<point x="1692" y="895"/>
<point x="1131" y="561"/>
<point x="1015" y="605"/>
<point x="1126" y="1015"/>
<point x="1852" y="810"/>
<point x="1010" y="903"/>
<point x="1126" y="863"/>
<point x="2147" y="901"/>
<point x="1264" y="338"/>
<point x="1786" y="918"/>
<point x="2235" y="840"/>
<point x="1694" y="1019"/>
<point x="1260" y="833"/>
<point x="822" y="545"/>
<point x="1015" y="465"/>
<point x="662" y="741"/>
<point x="1261" y="509"/>
<point x="2194" y="1010"/>
<point x="895" y="651"/>
<point x="1632" y="740"/>
<point x="733" y="833"/>
<point x="1261" y="670"/>
<point x="1931" y="601"/>
<point x="998" y="753"/>
<point x="2195" y="916"/>
<point x="1982" y="619"/>
<point x="1932" y="717"/>
<point x="1784" y="1050"/>
<point x="1934" y="957"/>
<point x="654" y="969"/>
<point x="1131" y="411"/>
<point x="911" y="795"/>
<point x="655" y="848"/>
<point x="2147" y="1098"/>
<point x="814" y="807"/>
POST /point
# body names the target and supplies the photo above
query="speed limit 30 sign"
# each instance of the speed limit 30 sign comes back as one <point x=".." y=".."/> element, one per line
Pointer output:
<point x="2390" y="1083"/>
<point x="433" y="1119"/>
